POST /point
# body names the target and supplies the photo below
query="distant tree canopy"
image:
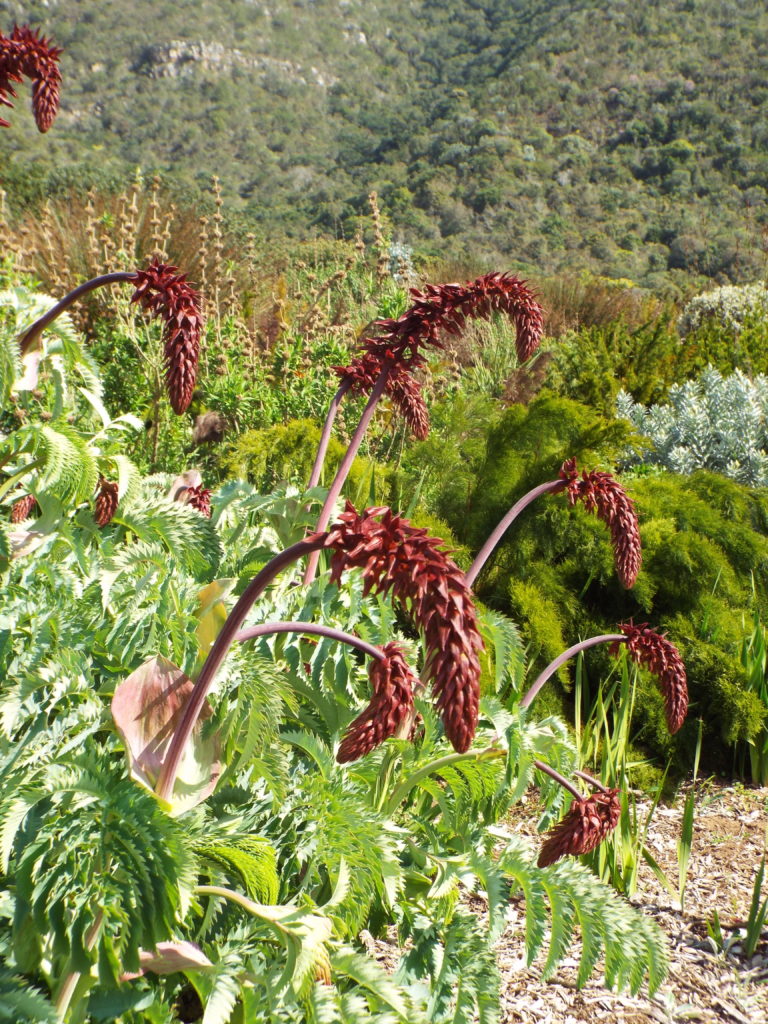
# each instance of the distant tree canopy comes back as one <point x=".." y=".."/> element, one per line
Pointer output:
<point x="495" y="125"/>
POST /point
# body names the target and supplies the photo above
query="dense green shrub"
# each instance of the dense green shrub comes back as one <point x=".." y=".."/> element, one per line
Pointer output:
<point x="705" y="538"/>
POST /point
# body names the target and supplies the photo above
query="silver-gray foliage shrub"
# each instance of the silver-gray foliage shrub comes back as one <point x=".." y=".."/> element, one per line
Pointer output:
<point x="713" y="422"/>
<point x="731" y="305"/>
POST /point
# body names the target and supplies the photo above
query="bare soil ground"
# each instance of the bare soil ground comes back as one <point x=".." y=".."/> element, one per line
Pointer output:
<point x="704" y="984"/>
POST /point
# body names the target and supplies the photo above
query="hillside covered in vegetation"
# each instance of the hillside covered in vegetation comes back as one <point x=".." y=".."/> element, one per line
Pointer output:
<point x="626" y="138"/>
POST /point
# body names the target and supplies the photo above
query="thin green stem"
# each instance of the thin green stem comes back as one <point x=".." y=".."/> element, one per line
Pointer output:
<point x="401" y="791"/>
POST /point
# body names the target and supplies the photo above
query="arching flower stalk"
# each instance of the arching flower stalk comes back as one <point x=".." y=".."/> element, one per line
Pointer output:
<point x="396" y="558"/>
<point x="600" y="493"/>
<point x="390" y="356"/>
<point x="166" y="293"/>
<point x="647" y="648"/>
<point x="26" y="54"/>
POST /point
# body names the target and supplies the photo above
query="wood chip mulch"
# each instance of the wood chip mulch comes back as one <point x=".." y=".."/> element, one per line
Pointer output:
<point x="704" y="984"/>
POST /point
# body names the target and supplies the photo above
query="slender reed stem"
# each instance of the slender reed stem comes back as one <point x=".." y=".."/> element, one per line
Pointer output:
<point x="316" y="628"/>
<point x="28" y="338"/>
<point x="487" y="549"/>
<point x="550" y="771"/>
<point x="553" y="666"/>
<point x="325" y="437"/>
<point x="218" y="653"/>
<point x="346" y="464"/>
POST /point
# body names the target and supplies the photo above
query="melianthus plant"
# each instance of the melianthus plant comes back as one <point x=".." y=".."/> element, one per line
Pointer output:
<point x="161" y="711"/>
<point x="418" y="811"/>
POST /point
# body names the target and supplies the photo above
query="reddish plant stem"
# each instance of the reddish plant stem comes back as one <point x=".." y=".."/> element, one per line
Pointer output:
<point x="325" y="437"/>
<point x="591" y="780"/>
<point x="550" y="771"/>
<point x="487" y="549"/>
<point x="553" y="666"/>
<point x="315" y="628"/>
<point x="28" y="338"/>
<point x="218" y="653"/>
<point x="346" y="464"/>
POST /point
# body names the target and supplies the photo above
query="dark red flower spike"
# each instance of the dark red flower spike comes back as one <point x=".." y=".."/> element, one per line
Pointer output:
<point x="26" y="54"/>
<point x="392" y="684"/>
<point x="601" y="493"/>
<point x="660" y="656"/>
<point x="400" y="559"/>
<point x="588" y="822"/>
<point x="165" y="292"/>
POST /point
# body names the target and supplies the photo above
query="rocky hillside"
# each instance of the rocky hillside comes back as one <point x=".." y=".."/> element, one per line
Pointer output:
<point x="628" y="138"/>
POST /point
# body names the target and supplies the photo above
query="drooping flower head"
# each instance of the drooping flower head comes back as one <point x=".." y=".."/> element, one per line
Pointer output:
<point x="445" y="309"/>
<point x="438" y="310"/>
<point x="26" y="54"/>
<point x="392" y="684"/>
<point x="22" y="509"/>
<point x="401" y="559"/>
<point x="601" y="493"/>
<point x="654" y="652"/>
<point x="199" y="498"/>
<point x="402" y="387"/>
<point x="588" y="822"/>
<point x="106" y="502"/>
<point x="165" y="292"/>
